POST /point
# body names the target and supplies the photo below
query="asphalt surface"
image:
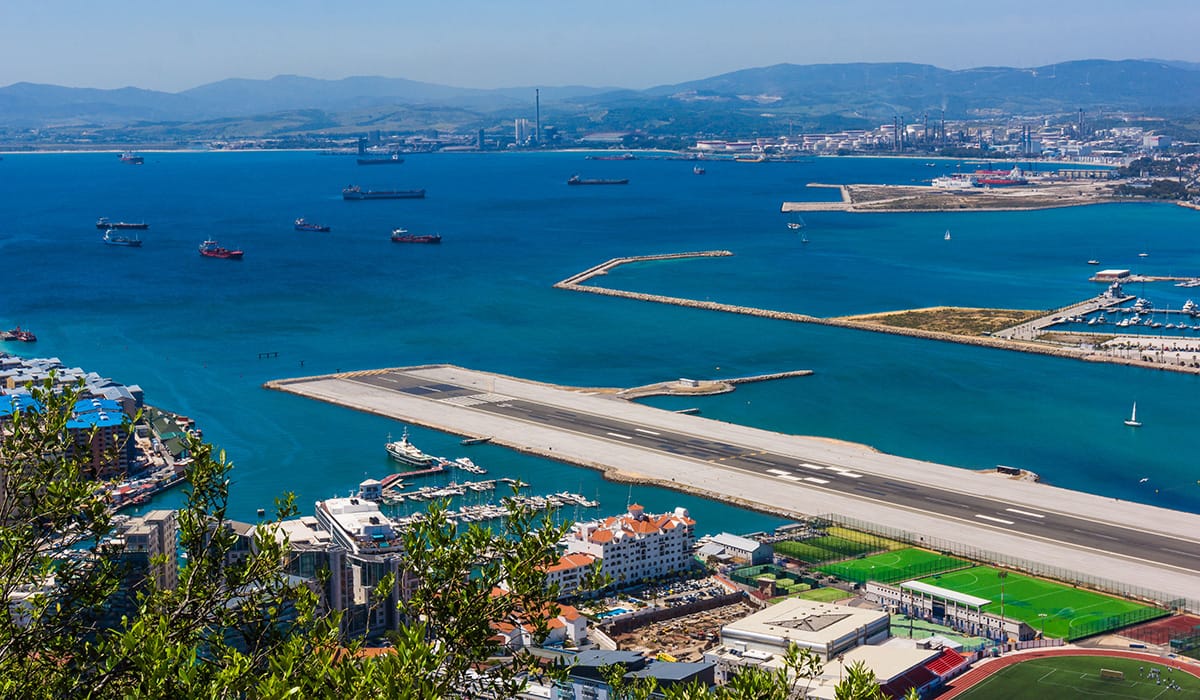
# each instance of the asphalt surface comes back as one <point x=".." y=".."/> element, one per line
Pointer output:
<point x="1012" y="517"/>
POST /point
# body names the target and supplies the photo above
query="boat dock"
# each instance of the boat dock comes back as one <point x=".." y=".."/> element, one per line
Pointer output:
<point x="415" y="473"/>
<point x="1051" y="529"/>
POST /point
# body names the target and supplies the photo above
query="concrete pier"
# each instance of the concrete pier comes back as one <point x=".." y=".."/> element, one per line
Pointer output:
<point x="1152" y="550"/>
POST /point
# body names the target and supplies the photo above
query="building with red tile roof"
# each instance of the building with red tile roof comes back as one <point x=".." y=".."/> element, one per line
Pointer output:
<point x="636" y="545"/>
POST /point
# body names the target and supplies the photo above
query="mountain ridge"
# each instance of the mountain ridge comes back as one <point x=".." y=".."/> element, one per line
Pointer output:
<point x="745" y="98"/>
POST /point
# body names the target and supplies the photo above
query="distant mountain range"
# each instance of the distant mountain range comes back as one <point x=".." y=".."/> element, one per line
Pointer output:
<point x="807" y="96"/>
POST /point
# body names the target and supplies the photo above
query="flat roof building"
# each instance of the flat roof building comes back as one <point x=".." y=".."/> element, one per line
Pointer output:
<point x="826" y="628"/>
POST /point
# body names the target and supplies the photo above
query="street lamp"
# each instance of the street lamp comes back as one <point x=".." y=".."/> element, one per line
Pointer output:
<point x="1042" y="616"/>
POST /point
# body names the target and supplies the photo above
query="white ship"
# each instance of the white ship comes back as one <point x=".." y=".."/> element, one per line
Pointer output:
<point x="404" y="451"/>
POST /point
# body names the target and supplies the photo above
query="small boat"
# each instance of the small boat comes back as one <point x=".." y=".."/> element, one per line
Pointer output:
<point x="113" y="238"/>
<point x="129" y="157"/>
<point x="1132" y="421"/>
<point x="796" y="224"/>
<point x="576" y="180"/>
<point x="354" y="193"/>
<point x="1143" y="255"/>
<point x="403" y="236"/>
<point x="803" y="238"/>
<point x="697" y="170"/>
<point x="19" y="334"/>
<point x="404" y="451"/>
<point x="212" y="249"/>
<point x="947" y="236"/>
<point x="302" y="225"/>
<point x="103" y="224"/>
<point x="393" y="159"/>
<point x="1093" y="261"/>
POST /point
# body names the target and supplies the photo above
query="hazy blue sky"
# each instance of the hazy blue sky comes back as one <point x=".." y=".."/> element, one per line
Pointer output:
<point x="171" y="45"/>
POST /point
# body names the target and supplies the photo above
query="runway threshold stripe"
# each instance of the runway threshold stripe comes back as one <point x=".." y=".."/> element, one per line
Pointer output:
<point x="1024" y="512"/>
<point x="806" y="465"/>
<point x="618" y="435"/>
<point x="815" y="480"/>
<point x="995" y="520"/>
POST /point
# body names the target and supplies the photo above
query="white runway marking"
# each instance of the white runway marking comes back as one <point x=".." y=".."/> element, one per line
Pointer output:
<point x="1024" y="512"/>
<point x="995" y="520"/>
<point x="815" y="480"/>
<point x="648" y="432"/>
<point x="777" y="472"/>
<point x="806" y="465"/>
<point x="790" y="477"/>
<point x="618" y="435"/>
<point x="851" y="475"/>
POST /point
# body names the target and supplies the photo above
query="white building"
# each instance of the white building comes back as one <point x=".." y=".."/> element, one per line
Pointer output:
<point x="636" y="546"/>
<point x="736" y="549"/>
<point x="570" y="573"/>
<point x="826" y="628"/>
<point x="358" y="526"/>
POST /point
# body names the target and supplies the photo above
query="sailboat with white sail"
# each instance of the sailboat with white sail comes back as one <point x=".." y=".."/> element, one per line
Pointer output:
<point x="1132" y="420"/>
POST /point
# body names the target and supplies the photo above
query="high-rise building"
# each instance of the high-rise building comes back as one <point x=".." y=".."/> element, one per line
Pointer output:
<point x="521" y="131"/>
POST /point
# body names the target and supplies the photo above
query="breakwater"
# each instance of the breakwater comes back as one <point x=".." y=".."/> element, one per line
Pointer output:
<point x="574" y="283"/>
<point x="604" y="267"/>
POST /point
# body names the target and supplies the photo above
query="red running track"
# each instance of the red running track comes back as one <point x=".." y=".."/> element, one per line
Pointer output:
<point x="967" y="680"/>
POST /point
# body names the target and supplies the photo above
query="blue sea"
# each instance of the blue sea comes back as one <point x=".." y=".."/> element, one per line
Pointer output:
<point x="189" y="330"/>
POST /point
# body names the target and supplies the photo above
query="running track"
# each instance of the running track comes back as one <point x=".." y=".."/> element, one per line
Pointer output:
<point x="969" y="679"/>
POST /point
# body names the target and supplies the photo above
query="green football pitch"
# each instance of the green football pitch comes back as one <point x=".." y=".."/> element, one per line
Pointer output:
<point x="890" y="567"/>
<point x="1069" y="677"/>
<point x="1056" y="609"/>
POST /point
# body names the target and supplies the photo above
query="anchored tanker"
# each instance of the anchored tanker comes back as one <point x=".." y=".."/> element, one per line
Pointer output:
<point x="354" y="192"/>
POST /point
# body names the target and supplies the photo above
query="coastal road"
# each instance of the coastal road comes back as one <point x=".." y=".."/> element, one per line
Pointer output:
<point x="842" y="477"/>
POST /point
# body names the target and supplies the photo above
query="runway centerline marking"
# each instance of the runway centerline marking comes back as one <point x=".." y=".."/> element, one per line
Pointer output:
<point x="648" y="432"/>
<point x="995" y="520"/>
<point x="618" y="435"/>
<point x="1024" y="512"/>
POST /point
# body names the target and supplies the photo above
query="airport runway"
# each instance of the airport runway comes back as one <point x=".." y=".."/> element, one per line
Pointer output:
<point x="1010" y="516"/>
<point x="1120" y="546"/>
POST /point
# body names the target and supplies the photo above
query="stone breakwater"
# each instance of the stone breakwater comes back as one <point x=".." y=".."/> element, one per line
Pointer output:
<point x="604" y="267"/>
<point x="573" y="283"/>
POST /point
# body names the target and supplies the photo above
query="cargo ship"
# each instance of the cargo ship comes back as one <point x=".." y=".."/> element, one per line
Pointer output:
<point x="354" y="192"/>
<point x="626" y="156"/>
<point x="113" y="238"/>
<point x="302" y="225"/>
<point x="403" y="236"/>
<point x="128" y="157"/>
<point x="576" y="180"/>
<point x="393" y="159"/>
<point x="212" y="249"/>
<point x="103" y="224"/>
<point x="999" y="178"/>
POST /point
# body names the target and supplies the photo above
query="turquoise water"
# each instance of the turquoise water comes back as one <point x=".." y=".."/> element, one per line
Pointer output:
<point x="189" y="329"/>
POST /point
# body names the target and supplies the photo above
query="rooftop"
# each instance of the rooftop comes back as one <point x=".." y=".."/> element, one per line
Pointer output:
<point x="803" y="621"/>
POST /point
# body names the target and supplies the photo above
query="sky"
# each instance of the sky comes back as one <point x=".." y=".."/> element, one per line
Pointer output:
<point x="172" y="45"/>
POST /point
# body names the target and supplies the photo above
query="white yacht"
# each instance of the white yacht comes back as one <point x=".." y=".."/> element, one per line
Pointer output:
<point x="404" y="451"/>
